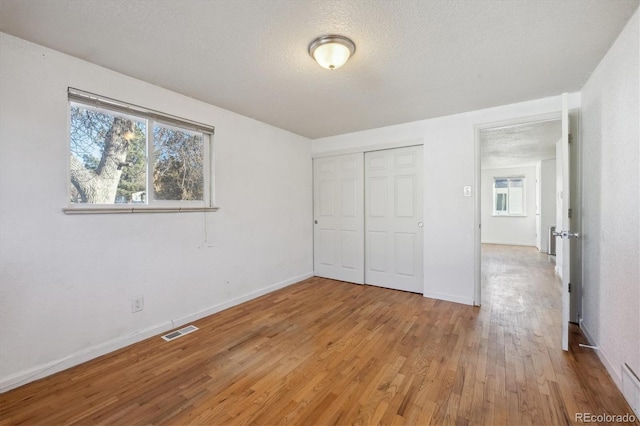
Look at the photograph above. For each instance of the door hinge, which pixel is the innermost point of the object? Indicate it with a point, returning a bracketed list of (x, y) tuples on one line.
[(569, 213), (570, 138), (569, 287)]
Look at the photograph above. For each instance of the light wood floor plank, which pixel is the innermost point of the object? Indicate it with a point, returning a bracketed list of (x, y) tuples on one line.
[(328, 352)]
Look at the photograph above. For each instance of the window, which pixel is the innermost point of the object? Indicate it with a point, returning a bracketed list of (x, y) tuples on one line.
[(508, 196), (124, 156)]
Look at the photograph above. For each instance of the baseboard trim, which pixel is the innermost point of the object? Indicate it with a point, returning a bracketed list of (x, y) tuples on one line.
[(616, 376), (448, 298), (238, 300), (52, 367), (509, 243)]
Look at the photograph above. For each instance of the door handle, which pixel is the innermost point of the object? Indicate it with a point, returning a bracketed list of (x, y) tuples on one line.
[(566, 234), (420, 224)]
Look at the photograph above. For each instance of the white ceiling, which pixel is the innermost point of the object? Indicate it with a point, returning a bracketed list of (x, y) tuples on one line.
[(519, 145), (413, 60)]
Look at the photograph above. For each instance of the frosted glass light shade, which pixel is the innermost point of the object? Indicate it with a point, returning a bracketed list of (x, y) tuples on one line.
[(331, 51), (331, 55)]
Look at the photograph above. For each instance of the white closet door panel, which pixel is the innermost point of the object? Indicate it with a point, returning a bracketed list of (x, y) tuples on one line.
[(377, 197), (339, 217), (350, 202), (326, 197), (405, 194), (324, 247), (393, 217), (406, 250), (351, 253), (377, 251)]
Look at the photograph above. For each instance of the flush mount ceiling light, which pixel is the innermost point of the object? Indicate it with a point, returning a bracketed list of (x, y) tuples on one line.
[(331, 51)]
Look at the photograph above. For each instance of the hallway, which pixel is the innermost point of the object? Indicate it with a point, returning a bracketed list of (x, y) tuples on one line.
[(521, 317)]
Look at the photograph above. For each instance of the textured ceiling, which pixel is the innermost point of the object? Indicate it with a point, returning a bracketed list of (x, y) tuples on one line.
[(414, 59), (519, 145)]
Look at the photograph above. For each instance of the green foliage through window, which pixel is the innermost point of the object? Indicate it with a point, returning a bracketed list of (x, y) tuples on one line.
[(110, 163), (178, 165)]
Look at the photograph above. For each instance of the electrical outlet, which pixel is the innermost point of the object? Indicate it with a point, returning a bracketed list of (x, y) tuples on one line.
[(137, 304)]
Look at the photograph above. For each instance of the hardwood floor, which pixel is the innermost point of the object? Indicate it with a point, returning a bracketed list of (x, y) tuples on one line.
[(327, 352)]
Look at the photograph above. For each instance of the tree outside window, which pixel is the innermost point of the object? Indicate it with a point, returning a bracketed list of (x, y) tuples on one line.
[(110, 161)]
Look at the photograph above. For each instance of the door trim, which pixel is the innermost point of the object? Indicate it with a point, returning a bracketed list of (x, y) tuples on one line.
[(369, 148)]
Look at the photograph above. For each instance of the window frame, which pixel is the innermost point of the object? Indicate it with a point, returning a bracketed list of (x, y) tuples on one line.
[(114, 107), (507, 212)]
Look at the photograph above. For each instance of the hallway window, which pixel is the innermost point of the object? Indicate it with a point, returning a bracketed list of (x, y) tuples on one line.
[(508, 196)]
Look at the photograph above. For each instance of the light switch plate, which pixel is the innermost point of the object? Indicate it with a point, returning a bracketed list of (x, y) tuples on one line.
[(467, 191)]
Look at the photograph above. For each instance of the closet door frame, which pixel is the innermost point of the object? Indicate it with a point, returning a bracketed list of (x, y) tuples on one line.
[(361, 151)]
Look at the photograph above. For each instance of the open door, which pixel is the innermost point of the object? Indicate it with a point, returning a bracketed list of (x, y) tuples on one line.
[(563, 233)]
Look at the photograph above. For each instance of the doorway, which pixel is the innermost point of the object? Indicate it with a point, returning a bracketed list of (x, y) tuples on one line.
[(518, 183), (524, 225)]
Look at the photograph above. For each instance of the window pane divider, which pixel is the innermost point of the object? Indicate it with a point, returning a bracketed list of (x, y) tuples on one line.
[(151, 163)]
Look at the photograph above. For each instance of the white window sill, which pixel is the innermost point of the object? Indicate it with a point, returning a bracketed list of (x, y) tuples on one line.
[(121, 210)]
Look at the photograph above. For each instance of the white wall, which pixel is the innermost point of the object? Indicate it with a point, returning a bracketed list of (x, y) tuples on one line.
[(514, 230), (547, 201), (450, 257), (611, 188), (67, 281)]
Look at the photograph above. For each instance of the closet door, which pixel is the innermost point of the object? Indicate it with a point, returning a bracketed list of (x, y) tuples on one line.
[(393, 219), (338, 237)]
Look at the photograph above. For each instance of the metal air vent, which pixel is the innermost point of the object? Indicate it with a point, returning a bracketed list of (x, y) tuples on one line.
[(178, 333)]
